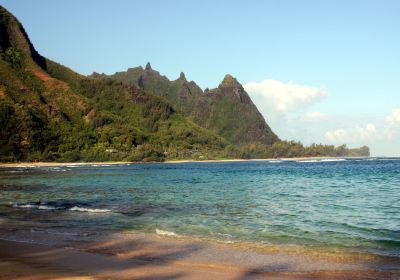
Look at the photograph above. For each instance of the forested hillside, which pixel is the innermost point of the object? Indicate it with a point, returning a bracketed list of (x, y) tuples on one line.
[(48, 112)]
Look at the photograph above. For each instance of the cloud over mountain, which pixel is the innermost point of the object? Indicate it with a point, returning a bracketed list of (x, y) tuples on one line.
[(284, 97)]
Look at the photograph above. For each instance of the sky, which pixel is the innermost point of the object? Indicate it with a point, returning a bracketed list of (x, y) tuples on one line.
[(319, 71)]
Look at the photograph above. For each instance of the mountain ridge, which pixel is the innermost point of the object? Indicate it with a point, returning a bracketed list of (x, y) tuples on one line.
[(48, 112), (227, 109)]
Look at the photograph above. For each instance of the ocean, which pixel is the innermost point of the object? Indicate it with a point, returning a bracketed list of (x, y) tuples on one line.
[(350, 205)]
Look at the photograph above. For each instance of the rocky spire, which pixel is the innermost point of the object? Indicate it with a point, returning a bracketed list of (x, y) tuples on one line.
[(182, 76), (148, 67), (230, 81)]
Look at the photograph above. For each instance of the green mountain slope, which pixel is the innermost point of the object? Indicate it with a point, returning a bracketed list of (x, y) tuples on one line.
[(49, 112), (226, 110)]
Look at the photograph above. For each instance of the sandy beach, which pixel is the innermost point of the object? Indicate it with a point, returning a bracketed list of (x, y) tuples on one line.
[(48, 164), (32, 249), (51, 164), (147, 256)]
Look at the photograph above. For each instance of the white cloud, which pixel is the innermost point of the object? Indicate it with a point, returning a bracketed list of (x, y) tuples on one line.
[(383, 136), (353, 135), (392, 124), (287, 108), (284, 107), (315, 117), (284, 97)]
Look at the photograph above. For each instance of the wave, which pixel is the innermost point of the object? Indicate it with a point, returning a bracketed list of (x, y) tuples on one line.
[(332, 159), (59, 206), (309, 160), (90, 210), (322, 160), (165, 232), (35, 206), (56, 169)]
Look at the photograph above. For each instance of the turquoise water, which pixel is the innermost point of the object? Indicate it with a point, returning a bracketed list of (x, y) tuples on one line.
[(347, 204)]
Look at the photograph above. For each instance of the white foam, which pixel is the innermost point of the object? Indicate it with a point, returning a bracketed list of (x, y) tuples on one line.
[(46, 207), (332, 159), (36, 206), (322, 160), (57, 169), (24, 205), (90, 210), (165, 232)]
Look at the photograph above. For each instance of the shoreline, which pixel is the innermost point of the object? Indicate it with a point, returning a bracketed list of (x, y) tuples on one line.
[(328, 252), (56, 164), (150, 256), (30, 249), (265, 159)]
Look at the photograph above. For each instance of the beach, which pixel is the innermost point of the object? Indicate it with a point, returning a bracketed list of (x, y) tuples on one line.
[(294, 219), (144, 256), (49, 164)]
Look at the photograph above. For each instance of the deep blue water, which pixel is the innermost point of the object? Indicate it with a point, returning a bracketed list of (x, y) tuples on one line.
[(352, 204)]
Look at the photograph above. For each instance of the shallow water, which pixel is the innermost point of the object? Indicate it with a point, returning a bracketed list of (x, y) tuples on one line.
[(348, 204)]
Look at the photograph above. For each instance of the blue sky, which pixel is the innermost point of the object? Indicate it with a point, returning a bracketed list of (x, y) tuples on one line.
[(332, 67)]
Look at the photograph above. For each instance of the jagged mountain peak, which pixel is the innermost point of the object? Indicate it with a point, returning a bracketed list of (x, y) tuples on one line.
[(230, 81), (226, 110), (148, 67), (13, 35), (46, 109), (182, 76)]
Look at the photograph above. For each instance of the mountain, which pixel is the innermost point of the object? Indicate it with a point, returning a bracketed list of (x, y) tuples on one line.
[(227, 110), (49, 112)]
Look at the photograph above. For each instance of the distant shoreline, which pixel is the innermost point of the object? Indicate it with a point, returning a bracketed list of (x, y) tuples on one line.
[(45, 164), (263, 159)]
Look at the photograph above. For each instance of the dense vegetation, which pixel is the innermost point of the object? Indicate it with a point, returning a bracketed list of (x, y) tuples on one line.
[(281, 149), (226, 110), (51, 113)]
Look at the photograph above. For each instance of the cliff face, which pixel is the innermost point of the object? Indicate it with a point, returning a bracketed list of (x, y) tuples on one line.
[(227, 110), (233, 115)]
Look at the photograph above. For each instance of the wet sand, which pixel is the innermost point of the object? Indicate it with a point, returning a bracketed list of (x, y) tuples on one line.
[(147, 256)]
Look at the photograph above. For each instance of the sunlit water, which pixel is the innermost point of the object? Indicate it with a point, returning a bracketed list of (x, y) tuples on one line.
[(348, 205)]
